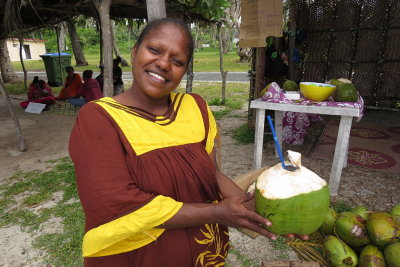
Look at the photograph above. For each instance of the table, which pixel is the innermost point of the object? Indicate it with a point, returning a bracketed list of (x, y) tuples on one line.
[(340, 157)]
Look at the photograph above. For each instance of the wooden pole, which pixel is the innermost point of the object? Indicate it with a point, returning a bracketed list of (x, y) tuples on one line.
[(103, 7), (292, 37), (260, 71), (21, 141)]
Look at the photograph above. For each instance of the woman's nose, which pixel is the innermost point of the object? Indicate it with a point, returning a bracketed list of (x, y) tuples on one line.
[(163, 63)]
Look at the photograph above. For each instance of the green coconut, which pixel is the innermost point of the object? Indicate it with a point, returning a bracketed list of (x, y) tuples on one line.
[(294, 201), (361, 210), (345, 93), (351, 228), (264, 91), (371, 256), (392, 254), (328, 226), (382, 228), (395, 212), (290, 85), (335, 82), (338, 253)]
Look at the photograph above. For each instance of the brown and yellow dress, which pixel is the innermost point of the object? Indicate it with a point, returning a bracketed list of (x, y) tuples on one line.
[(134, 171)]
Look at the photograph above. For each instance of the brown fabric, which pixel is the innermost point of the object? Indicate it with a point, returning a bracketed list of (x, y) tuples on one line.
[(113, 181)]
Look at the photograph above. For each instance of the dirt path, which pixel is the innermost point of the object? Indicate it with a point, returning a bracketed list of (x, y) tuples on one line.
[(47, 138)]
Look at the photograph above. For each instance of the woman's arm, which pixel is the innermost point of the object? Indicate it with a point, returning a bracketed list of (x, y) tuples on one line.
[(235, 210)]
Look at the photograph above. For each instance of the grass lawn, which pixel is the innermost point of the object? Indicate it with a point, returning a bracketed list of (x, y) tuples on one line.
[(205, 60)]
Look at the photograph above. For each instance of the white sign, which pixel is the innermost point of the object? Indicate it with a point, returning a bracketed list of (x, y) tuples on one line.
[(35, 108)]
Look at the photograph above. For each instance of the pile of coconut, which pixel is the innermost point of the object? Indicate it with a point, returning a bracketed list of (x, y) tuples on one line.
[(296, 200)]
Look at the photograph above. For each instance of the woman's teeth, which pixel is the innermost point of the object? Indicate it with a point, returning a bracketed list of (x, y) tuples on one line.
[(156, 76)]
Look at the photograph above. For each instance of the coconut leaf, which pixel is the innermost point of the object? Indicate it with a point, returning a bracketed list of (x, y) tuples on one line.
[(310, 250)]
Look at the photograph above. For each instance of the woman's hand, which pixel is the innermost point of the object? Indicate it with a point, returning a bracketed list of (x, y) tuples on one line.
[(239, 212), (234, 212)]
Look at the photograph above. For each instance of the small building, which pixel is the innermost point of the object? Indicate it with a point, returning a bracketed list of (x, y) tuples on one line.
[(32, 48)]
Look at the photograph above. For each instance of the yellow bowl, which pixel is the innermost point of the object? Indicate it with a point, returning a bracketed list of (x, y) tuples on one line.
[(316, 91)]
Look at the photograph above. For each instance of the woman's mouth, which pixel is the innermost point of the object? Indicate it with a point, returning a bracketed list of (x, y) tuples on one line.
[(157, 76)]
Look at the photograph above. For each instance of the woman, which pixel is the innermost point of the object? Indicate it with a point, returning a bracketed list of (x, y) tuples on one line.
[(39, 92), (71, 86), (146, 171), (88, 91)]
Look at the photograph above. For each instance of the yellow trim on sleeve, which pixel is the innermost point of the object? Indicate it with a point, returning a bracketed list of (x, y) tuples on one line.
[(131, 231), (212, 131)]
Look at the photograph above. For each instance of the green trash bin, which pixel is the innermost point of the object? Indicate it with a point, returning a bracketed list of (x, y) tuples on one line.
[(52, 65)]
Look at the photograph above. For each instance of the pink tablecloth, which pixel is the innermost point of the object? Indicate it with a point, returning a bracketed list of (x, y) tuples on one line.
[(294, 124)]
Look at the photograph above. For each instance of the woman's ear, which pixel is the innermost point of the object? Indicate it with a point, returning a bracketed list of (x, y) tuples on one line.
[(133, 54)]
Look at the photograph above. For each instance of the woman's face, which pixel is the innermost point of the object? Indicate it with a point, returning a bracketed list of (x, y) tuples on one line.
[(70, 72), (160, 61)]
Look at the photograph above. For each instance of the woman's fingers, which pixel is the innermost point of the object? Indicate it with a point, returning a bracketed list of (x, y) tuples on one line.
[(260, 230), (302, 237)]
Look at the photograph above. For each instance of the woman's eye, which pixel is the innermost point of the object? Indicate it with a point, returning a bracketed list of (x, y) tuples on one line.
[(179, 62), (153, 50)]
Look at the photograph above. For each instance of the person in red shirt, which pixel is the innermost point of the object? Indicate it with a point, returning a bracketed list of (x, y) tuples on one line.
[(88, 91), (39, 92)]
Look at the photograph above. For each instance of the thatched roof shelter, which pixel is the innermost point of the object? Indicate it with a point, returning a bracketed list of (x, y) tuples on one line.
[(28, 15)]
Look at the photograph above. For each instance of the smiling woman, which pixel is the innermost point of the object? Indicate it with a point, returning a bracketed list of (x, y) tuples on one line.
[(146, 171)]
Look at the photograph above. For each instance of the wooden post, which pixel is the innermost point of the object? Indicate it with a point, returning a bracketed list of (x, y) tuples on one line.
[(21, 141), (292, 37), (155, 9), (260, 71), (103, 7)]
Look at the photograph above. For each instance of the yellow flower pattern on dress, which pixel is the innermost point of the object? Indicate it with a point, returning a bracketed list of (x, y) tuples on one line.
[(212, 239)]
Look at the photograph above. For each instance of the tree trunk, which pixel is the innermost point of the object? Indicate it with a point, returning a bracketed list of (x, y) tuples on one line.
[(155, 9), (21, 141), (21, 46), (61, 38), (115, 45), (103, 7), (7, 70), (221, 63), (76, 46), (189, 77)]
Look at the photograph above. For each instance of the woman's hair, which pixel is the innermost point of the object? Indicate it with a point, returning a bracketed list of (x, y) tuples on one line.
[(41, 83), (159, 22), (35, 79), (87, 74), (69, 68)]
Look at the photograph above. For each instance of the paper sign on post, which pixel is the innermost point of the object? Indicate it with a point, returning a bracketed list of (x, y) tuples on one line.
[(260, 19), (35, 108)]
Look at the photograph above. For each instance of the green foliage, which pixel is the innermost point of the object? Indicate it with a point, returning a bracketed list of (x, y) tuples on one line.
[(245, 262), (244, 135), (211, 9), (220, 113), (341, 206), (280, 245), (215, 102)]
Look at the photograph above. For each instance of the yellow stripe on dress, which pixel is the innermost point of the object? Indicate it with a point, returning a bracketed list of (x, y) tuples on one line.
[(145, 135), (131, 231)]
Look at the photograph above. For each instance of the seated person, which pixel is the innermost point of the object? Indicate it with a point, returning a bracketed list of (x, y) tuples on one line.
[(117, 77), (88, 91), (71, 85), (39, 92), (100, 77)]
